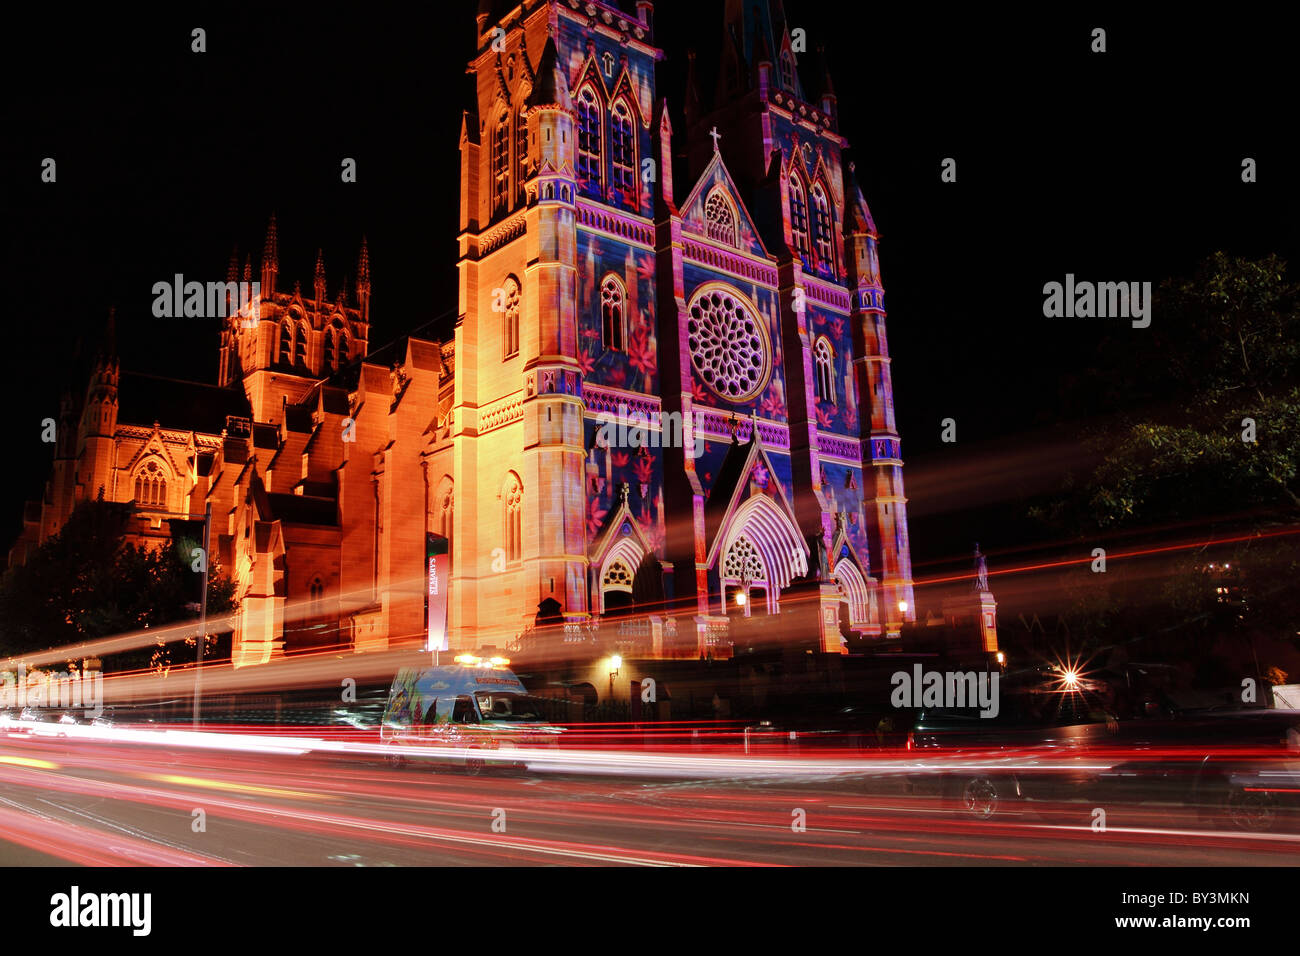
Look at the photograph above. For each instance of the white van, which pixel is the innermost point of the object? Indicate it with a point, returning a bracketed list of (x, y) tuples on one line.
[(465, 714)]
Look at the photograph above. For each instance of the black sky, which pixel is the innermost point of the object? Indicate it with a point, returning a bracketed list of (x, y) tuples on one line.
[(1116, 166)]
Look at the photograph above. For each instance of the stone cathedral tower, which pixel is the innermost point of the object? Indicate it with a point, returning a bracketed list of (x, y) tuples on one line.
[(666, 399), (750, 308)]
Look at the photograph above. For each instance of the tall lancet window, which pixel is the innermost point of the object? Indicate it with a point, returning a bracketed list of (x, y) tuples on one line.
[(512, 505), (336, 347), (286, 343), (787, 72), (501, 162), (825, 360), (590, 121), (822, 221), (612, 304), (150, 487), (799, 216), (300, 347), (510, 318), (622, 148)]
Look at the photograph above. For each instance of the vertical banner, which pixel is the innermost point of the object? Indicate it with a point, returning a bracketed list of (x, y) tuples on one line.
[(438, 562)]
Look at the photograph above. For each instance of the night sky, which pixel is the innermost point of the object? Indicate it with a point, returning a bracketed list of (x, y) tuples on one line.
[(1122, 166)]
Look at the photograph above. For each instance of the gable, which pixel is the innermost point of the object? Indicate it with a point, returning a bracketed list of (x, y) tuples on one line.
[(696, 211)]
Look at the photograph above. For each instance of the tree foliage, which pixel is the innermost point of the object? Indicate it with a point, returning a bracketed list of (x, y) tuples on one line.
[(88, 582), (1176, 462)]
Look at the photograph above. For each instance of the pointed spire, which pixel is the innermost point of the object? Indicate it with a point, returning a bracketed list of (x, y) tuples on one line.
[(248, 268), (319, 279), (110, 332), (828, 88), (552, 87), (363, 281), (232, 279), (529, 76), (859, 218), (270, 259), (762, 53), (693, 110)]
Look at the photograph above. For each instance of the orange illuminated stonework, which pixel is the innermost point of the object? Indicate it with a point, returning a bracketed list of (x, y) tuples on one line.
[(748, 305)]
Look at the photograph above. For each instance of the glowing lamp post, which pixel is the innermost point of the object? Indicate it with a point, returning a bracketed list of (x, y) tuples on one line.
[(615, 666), (742, 596)]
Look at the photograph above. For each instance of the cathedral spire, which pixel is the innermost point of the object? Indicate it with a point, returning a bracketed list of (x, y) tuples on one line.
[(319, 283), (109, 351), (858, 219), (693, 110), (529, 76), (363, 281), (552, 88), (270, 259), (828, 100), (232, 280)]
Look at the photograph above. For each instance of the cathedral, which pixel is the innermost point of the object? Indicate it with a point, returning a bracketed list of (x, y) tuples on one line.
[(742, 302)]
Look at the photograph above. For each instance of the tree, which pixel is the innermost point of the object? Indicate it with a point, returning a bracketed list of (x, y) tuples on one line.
[(1206, 434), (88, 582)]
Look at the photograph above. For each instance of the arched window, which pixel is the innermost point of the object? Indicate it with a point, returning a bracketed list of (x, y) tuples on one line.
[(300, 346), (501, 162), (612, 303), (719, 220), (151, 486), (445, 512), (589, 124), (622, 148), (512, 503), (825, 360), (799, 216), (286, 343), (822, 221), (335, 347), (521, 150), (787, 72), (510, 318)]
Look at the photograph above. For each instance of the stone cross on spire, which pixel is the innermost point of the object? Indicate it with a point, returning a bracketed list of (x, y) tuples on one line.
[(716, 136)]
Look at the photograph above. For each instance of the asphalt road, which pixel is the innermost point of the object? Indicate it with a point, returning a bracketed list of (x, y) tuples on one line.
[(107, 803)]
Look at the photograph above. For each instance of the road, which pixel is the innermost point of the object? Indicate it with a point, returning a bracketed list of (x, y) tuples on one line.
[(109, 803)]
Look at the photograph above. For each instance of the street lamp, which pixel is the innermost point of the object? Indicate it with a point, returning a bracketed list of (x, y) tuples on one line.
[(615, 666), (902, 607)]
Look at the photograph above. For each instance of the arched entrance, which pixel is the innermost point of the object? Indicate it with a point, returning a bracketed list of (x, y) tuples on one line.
[(761, 554)]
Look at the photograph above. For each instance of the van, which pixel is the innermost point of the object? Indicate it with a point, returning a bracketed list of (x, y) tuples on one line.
[(465, 714)]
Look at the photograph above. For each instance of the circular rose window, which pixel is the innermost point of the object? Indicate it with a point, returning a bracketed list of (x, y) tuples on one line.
[(728, 344)]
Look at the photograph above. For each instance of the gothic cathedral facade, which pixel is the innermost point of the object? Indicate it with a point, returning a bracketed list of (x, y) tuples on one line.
[(658, 400)]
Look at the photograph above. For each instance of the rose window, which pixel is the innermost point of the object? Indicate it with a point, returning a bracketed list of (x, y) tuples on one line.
[(728, 345)]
